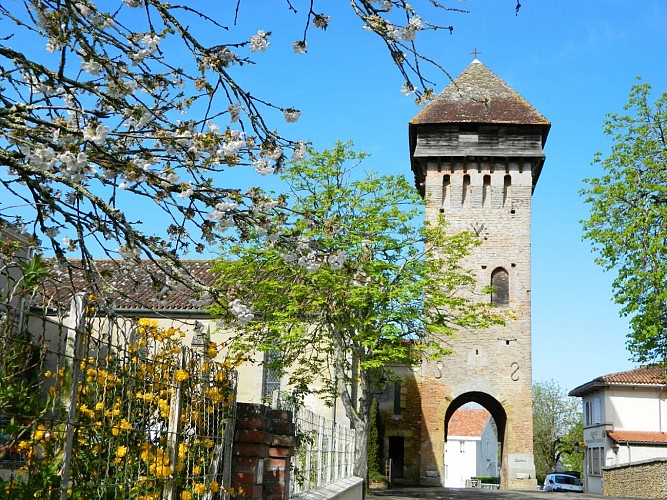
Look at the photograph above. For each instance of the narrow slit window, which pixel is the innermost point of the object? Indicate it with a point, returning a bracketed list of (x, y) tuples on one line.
[(466, 190), (507, 185), (446, 191), (486, 191)]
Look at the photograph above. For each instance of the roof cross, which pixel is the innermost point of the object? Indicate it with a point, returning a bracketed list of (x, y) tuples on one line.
[(475, 52)]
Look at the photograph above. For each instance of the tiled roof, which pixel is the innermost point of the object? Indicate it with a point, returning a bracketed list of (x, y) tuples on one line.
[(468, 422), (126, 284), (638, 437), (642, 376), (479, 96)]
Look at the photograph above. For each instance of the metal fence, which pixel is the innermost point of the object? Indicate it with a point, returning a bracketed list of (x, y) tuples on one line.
[(99, 406), (324, 452)]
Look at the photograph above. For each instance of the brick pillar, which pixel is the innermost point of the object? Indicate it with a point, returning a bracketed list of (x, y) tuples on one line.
[(263, 445), (277, 464)]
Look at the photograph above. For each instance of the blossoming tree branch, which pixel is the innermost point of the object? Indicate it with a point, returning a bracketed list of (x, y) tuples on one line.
[(113, 112)]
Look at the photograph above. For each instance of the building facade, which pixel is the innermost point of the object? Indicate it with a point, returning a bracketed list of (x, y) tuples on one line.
[(477, 152), (471, 449), (625, 421)]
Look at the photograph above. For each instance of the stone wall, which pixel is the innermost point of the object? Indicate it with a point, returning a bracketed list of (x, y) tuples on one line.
[(647, 479)]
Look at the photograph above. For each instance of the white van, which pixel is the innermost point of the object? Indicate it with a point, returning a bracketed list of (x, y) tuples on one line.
[(563, 482)]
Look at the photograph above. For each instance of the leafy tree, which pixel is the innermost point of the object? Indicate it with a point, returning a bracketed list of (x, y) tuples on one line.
[(342, 280), (557, 429), (628, 206), (116, 113)]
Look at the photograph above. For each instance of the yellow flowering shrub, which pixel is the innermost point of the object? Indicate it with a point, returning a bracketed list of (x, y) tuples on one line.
[(124, 404)]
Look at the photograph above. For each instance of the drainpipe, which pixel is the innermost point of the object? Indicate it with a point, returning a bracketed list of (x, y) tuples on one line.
[(660, 408)]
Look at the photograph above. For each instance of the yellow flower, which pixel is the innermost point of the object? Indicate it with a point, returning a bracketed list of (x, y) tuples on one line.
[(181, 375), (196, 470), (214, 487), (121, 451), (186, 495)]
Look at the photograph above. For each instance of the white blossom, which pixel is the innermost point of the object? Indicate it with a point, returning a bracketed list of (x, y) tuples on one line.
[(259, 42), (337, 260), (242, 312), (187, 191), (299, 151), (263, 167), (407, 89), (291, 115), (234, 110), (150, 40), (227, 57), (97, 136), (300, 46)]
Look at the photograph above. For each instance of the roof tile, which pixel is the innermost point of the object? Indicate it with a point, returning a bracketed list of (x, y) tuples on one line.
[(638, 436), (468, 422), (126, 284), (479, 96)]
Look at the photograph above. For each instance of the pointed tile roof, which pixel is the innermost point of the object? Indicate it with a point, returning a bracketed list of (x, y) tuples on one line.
[(469, 423), (646, 376), (479, 96)]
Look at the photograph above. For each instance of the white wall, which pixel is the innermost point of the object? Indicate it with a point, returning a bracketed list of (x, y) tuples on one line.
[(460, 460)]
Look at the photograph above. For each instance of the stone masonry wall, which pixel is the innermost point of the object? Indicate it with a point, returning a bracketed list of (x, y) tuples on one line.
[(639, 480)]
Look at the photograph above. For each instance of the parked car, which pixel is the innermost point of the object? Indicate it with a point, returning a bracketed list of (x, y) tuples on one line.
[(563, 482)]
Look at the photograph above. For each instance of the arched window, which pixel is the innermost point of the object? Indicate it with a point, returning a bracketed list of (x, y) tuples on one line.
[(500, 281)]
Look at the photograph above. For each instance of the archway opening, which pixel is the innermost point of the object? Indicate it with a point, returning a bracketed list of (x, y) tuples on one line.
[(475, 424)]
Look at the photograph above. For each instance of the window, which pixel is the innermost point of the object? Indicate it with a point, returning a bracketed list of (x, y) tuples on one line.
[(271, 375), (592, 412), (594, 457), (467, 188), (486, 190), (500, 281), (397, 398), (446, 191), (507, 185)]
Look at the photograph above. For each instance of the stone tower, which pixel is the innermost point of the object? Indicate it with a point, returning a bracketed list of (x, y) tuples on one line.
[(477, 151)]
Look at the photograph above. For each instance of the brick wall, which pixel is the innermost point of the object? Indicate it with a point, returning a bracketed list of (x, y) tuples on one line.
[(263, 445), (647, 479)]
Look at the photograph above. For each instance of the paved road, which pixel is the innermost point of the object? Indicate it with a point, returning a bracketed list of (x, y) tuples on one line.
[(475, 494)]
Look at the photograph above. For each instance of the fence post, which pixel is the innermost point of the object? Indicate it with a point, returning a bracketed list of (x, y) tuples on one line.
[(168, 491), (320, 442), (75, 332)]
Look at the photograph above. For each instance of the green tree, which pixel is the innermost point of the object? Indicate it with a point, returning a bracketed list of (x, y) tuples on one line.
[(342, 280), (557, 429), (628, 210)]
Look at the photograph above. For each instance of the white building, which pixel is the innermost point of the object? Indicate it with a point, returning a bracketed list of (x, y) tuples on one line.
[(471, 448), (625, 420)]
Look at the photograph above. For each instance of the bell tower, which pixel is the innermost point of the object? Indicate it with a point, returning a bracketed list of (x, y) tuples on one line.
[(477, 152)]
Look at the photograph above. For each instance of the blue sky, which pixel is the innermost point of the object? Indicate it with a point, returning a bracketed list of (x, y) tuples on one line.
[(573, 61)]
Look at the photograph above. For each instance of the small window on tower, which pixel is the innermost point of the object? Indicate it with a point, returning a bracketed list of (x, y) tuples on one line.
[(500, 281)]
